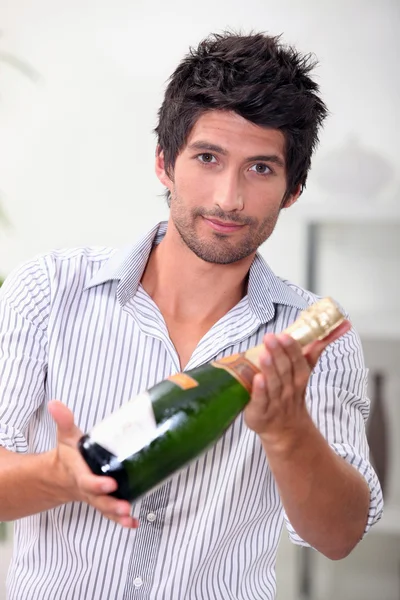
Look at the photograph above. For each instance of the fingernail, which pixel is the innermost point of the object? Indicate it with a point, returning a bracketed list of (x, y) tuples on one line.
[(286, 340), (122, 511), (271, 342), (129, 523), (261, 383), (266, 359), (108, 486)]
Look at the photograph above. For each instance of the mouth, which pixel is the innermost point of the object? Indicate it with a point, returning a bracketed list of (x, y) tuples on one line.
[(222, 226)]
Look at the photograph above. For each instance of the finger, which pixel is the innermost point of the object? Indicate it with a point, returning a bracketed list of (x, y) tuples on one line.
[(313, 351), (127, 522), (118, 511), (257, 408), (111, 506), (272, 381), (300, 366), (258, 391), (66, 429), (281, 360), (97, 485)]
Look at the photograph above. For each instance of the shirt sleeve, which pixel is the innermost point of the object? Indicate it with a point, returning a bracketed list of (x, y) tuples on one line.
[(338, 404), (24, 310)]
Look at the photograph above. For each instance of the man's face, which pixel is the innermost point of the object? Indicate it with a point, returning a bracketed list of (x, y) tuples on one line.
[(228, 187)]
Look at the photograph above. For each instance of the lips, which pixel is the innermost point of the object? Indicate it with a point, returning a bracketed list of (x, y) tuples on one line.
[(222, 226)]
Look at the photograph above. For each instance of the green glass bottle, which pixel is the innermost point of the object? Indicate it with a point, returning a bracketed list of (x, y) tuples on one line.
[(165, 428)]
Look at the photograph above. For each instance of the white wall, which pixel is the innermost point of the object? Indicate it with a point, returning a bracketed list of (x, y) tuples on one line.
[(76, 150)]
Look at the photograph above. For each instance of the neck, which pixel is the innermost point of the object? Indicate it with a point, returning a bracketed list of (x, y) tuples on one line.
[(186, 288)]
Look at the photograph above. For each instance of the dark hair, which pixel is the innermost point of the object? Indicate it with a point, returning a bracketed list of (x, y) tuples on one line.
[(255, 76)]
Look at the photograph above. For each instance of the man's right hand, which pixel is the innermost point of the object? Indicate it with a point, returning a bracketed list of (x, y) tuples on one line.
[(75, 480)]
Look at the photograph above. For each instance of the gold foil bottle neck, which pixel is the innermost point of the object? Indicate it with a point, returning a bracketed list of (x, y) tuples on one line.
[(316, 322)]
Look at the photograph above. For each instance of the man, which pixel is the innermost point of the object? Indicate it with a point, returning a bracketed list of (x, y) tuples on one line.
[(236, 132)]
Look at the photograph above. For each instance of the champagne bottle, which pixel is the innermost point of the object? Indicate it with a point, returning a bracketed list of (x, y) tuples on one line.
[(163, 429)]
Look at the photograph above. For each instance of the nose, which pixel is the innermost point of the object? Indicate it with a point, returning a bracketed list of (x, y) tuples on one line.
[(228, 192)]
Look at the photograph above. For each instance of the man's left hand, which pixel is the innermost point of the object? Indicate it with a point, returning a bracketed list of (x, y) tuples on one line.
[(277, 409)]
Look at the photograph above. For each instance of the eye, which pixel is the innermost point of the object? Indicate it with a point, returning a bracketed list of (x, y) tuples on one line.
[(261, 169), (206, 158)]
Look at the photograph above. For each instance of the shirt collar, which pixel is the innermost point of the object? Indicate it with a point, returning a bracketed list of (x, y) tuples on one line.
[(127, 265)]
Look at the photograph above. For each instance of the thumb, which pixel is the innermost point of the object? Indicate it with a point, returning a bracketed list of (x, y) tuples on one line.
[(67, 431)]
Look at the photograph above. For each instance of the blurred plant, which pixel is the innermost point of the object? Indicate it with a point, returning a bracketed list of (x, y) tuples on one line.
[(23, 67), (10, 60), (6, 58)]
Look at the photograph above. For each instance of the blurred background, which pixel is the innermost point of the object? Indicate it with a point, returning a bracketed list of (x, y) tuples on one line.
[(80, 85)]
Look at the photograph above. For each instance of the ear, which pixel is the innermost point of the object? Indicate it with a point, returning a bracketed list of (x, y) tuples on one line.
[(160, 169), (290, 200)]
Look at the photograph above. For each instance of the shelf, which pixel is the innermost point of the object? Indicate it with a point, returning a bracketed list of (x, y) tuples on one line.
[(383, 325), (389, 524), (343, 211)]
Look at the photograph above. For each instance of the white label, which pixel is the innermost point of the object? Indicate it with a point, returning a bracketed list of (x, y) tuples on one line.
[(128, 429)]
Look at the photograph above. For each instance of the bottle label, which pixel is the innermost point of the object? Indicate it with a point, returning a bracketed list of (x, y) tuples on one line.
[(127, 430), (239, 367), (183, 381)]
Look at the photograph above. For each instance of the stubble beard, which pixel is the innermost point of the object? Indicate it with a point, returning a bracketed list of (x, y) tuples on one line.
[(221, 249)]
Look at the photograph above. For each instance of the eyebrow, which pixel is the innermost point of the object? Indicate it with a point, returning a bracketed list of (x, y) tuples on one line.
[(207, 147)]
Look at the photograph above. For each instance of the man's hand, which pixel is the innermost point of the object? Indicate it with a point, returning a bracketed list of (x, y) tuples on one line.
[(75, 480), (277, 410), (325, 498)]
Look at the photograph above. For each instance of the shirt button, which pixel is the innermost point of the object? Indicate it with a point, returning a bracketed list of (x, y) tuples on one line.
[(151, 517), (138, 582)]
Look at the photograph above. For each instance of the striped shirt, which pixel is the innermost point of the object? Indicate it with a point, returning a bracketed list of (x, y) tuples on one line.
[(78, 326)]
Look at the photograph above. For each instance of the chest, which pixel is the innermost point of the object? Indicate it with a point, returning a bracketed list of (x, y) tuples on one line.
[(185, 339), (104, 358)]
